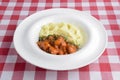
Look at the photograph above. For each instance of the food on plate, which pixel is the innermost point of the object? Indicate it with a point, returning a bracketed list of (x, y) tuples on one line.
[(56, 44), (60, 38)]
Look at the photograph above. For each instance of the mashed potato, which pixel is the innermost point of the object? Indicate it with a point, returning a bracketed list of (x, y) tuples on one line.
[(70, 32)]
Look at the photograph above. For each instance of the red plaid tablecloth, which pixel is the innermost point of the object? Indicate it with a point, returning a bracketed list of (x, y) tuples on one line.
[(13, 67)]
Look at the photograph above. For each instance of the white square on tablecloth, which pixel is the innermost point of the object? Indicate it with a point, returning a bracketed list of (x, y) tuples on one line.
[(105, 22), (41, 4), (85, 4), (2, 32), (115, 3), (109, 32), (118, 21), (11, 4), (19, 21), (4, 22), (95, 75), (73, 75), (51, 75), (0, 44), (26, 4), (102, 12), (11, 59), (28, 75), (116, 75), (111, 45), (6, 75), (56, 5), (114, 59), (70, 4), (12, 45), (100, 3), (24, 12), (116, 12)]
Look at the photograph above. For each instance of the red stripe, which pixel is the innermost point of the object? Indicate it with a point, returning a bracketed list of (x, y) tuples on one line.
[(93, 0), (1, 17), (114, 27), (112, 51), (1, 66), (108, 7), (115, 66), (110, 38), (86, 68), (78, 8), (97, 16), (63, 1), (105, 53), (94, 67), (2, 58), (20, 0), (9, 66), (62, 75), (4, 51), (106, 0), (118, 50), (20, 59), (40, 75), (1, 38), (3, 7), (32, 8), (18, 75), (5, 0), (34, 1), (105, 67), (19, 67), (103, 59), (11, 27), (40, 69), (17, 8), (93, 8), (111, 17), (63, 5), (8, 39), (12, 51), (49, 1), (106, 75), (84, 75), (14, 17), (116, 38), (76, 1)]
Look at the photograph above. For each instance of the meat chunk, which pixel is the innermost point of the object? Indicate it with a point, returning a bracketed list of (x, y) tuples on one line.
[(71, 48), (43, 45), (53, 50)]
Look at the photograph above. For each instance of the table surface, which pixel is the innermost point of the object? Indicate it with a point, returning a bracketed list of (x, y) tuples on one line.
[(13, 67)]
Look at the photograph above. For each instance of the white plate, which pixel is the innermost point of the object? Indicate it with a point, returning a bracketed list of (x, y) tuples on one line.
[(26, 36)]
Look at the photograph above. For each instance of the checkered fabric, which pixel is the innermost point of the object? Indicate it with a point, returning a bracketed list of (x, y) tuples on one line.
[(13, 67)]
